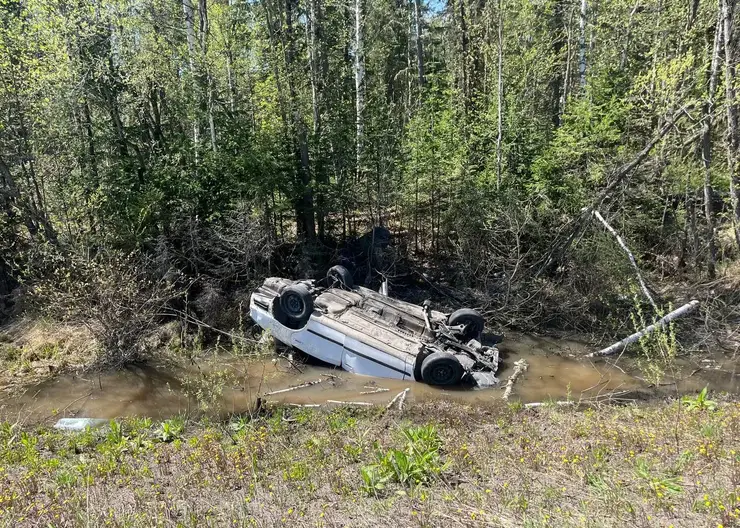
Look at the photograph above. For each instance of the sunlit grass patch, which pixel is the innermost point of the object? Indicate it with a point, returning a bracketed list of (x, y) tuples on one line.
[(611, 466)]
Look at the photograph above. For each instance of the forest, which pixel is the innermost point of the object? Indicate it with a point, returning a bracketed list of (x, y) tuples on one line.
[(215, 139)]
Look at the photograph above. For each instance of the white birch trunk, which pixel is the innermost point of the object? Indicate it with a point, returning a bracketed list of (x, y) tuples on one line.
[(728, 8), (661, 323)]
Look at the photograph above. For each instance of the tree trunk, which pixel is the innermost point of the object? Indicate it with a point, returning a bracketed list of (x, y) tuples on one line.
[(210, 84), (463, 80), (419, 44), (559, 40), (304, 200), (359, 88), (706, 146), (189, 15), (500, 92), (728, 8), (628, 34), (315, 58), (582, 44)]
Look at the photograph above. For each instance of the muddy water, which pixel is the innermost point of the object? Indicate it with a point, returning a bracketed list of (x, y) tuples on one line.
[(225, 384)]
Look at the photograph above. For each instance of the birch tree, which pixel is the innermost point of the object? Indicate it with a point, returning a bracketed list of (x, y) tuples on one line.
[(730, 42)]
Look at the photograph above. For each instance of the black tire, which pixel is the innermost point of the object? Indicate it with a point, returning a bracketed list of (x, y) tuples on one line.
[(472, 320), (296, 305), (441, 368), (340, 276)]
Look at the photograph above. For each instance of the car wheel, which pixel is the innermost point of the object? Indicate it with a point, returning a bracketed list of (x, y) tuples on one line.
[(296, 304), (340, 276), (472, 320), (441, 368)]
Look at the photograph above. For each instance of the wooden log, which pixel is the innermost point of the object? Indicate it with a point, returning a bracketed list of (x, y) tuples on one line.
[(519, 367), (402, 399), (361, 404), (661, 323), (396, 397), (375, 391), (301, 386)]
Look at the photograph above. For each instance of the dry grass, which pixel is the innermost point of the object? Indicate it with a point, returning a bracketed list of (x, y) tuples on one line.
[(660, 465), (34, 349)]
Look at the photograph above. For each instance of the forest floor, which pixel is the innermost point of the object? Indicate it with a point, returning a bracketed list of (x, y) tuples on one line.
[(444, 464)]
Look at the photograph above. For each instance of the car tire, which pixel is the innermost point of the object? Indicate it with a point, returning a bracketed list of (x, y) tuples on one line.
[(472, 320), (441, 368), (339, 275), (296, 305)]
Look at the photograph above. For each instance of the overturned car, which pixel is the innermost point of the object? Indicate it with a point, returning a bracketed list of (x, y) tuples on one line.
[(369, 333)]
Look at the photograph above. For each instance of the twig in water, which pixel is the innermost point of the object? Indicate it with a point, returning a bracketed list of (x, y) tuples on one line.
[(376, 391), (301, 386), (396, 397), (402, 399), (273, 402), (519, 367), (75, 401), (363, 404)]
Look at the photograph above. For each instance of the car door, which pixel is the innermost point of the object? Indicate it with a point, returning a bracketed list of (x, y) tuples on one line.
[(320, 341), (361, 358)]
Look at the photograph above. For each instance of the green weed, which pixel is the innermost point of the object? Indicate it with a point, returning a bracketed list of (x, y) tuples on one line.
[(416, 463), (700, 402), (171, 429)]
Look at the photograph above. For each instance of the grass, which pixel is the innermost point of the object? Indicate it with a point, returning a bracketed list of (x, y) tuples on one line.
[(666, 464), (32, 350)]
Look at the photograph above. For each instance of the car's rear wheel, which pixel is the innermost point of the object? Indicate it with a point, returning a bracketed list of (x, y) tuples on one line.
[(441, 368), (296, 305), (339, 276), (472, 320)]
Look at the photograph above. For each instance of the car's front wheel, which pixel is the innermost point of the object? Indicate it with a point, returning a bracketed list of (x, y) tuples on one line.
[(340, 277), (296, 305), (470, 319), (441, 368)]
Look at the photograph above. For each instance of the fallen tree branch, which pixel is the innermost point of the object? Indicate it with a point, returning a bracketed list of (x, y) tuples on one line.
[(301, 386), (629, 254), (396, 397), (295, 404), (519, 367), (376, 391), (402, 399), (661, 323), (362, 404)]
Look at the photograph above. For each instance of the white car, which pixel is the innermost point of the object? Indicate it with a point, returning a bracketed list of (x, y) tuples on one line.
[(369, 333)]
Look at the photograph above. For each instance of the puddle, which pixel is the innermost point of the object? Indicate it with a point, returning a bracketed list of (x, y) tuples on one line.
[(160, 392)]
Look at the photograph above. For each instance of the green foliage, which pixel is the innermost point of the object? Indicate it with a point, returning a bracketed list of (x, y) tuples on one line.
[(699, 403), (172, 429), (209, 141), (658, 349), (418, 461), (659, 485)]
